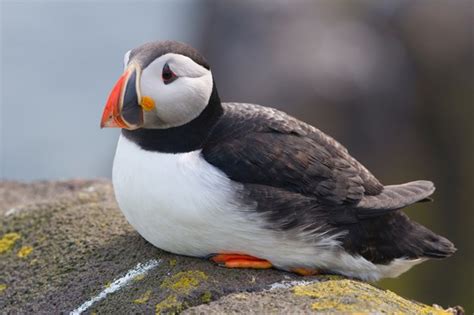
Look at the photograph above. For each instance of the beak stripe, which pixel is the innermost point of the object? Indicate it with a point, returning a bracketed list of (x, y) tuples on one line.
[(123, 108), (111, 116)]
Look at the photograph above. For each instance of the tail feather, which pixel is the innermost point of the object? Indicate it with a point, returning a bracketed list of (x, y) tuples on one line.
[(385, 238), (395, 197), (435, 246)]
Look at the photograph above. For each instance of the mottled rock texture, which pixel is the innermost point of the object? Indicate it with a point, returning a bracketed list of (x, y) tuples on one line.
[(63, 244)]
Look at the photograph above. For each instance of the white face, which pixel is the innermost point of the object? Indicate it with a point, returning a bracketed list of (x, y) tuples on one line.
[(179, 101)]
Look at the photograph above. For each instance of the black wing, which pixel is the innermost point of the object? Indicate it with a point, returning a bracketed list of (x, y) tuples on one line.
[(301, 178), (256, 145)]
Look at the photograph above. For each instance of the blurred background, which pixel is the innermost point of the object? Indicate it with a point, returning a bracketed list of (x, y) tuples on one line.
[(392, 80)]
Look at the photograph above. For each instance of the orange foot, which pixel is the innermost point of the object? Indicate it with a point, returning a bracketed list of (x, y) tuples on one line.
[(241, 261)]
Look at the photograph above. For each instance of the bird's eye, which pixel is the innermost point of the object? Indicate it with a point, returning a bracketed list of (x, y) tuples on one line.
[(168, 75)]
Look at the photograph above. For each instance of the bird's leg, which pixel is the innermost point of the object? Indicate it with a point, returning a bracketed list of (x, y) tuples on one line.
[(247, 261), (240, 261)]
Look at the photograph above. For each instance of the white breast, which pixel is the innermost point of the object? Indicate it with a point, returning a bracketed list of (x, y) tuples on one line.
[(178, 202), (182, 204)]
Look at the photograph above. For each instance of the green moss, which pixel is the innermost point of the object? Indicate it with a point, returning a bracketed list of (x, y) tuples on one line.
[(348, 296), (184, 282), (169, 305), (206, 297), (139, 277), (144, 298), (8, 241), (3, 287)]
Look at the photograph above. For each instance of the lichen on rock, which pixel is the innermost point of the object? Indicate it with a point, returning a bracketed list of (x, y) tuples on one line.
[(206, 297), (8, 241), (24, 251), (350, 296), (144, 298), (169, 304), (184, 282), (181, 285)]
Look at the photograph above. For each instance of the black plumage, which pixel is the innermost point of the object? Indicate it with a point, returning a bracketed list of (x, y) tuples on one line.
[(302, 178), (298, 177)]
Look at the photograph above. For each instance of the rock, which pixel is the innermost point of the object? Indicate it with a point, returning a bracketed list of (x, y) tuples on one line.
[(65, 246)]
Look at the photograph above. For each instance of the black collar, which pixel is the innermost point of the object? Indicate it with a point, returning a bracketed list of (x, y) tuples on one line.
[(186, 138)]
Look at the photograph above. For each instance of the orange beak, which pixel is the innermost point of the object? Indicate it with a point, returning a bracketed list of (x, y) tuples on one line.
[(123, 108)]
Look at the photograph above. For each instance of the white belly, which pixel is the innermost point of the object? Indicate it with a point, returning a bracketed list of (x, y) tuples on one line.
[(178, 202), (182, 204)]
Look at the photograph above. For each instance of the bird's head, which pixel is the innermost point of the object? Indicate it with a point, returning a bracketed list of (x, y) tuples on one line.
[(164, 85)]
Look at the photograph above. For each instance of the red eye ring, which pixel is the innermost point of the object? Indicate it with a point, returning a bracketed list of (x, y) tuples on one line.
[(167, 75)]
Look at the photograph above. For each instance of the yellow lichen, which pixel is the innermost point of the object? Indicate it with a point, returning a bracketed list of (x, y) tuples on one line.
[(170, 303), (7, 241), (24, 251), (3, 287), (173, 262), (144, 298), (139, 277), (348, 296), (240, 296), (206, 297), (185, 281)]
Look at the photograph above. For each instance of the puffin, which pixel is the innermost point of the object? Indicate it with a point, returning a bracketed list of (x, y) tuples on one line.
[(249, 186)]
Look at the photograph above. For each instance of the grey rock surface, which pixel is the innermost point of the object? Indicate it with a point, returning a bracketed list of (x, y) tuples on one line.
[(65, 246)]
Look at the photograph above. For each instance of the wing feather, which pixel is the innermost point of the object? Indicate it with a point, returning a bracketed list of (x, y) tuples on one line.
[(259, 145)]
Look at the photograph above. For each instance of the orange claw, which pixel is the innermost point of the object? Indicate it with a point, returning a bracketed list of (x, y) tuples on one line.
[(241, 261)]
